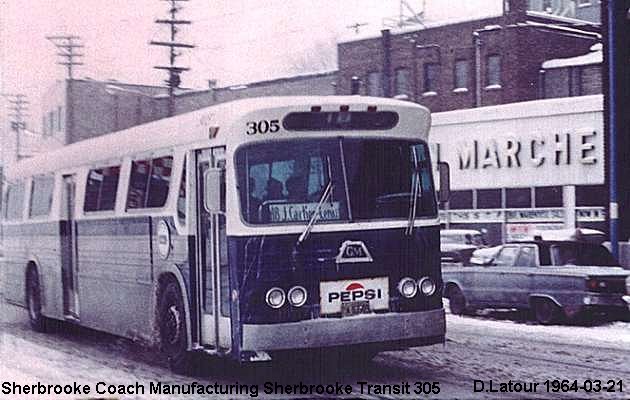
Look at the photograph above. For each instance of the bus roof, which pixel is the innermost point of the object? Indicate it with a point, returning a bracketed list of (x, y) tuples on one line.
[(189, 128)]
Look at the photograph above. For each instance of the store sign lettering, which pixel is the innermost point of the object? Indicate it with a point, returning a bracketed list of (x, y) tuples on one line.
[(578, 147)]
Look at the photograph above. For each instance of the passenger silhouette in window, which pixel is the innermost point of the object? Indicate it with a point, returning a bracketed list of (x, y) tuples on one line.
[(274, 190)]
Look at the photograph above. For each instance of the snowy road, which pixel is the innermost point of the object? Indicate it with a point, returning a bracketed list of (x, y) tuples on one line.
[(477, 349)]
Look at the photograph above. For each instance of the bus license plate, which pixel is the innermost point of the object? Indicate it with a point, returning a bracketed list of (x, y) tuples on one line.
[(355, 308)]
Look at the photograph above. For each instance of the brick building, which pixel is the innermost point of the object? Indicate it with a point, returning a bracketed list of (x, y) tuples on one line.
[(574, 76), (455, 65), (79, 109)]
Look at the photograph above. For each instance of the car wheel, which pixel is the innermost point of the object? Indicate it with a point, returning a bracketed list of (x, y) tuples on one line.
[(457, 301), (172, 328), (38, 322), (547, 312)]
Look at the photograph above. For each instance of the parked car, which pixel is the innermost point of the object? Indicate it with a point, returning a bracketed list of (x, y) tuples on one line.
[(555, 279), (458, 245)]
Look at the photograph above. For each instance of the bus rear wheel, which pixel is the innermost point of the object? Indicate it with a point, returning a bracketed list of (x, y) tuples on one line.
[(38, 322), (172, 328)]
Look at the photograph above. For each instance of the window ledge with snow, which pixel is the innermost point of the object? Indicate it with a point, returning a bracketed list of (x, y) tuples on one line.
[(460, 90), (429, 94), (494, 87)]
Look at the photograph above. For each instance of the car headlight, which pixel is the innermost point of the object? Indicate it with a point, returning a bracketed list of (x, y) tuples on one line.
[(427, 286), (275, 297), (407, 287), (297, 296)]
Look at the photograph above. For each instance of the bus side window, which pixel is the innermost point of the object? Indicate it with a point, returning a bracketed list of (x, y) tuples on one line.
[(181, 198), (100, 189), (41, 196), (149, 183), (15, 202)]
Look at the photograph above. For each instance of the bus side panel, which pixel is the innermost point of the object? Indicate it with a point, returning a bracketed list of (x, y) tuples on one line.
[(14, 264), (115, 275), (38, 242)]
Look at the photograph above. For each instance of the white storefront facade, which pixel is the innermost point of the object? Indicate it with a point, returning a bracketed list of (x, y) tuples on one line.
[(515, 167)]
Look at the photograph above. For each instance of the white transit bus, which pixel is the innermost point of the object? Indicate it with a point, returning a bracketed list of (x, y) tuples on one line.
[(249, 229)]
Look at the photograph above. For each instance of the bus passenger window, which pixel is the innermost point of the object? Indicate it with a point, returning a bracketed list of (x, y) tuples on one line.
[(100, 190), (41, 196), (149, 183), (181, 198), (15, 202)]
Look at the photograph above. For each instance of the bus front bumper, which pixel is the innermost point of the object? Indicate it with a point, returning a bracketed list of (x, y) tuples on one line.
[(363, 329)]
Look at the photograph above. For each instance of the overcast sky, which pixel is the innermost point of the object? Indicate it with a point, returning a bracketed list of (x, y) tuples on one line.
[(237, 41)]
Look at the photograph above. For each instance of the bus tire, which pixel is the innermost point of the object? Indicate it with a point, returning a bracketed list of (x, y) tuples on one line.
[(172, 327), (38, 322), (457, 301)]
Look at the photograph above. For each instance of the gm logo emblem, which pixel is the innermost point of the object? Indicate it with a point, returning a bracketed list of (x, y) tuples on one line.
[(353, 252)]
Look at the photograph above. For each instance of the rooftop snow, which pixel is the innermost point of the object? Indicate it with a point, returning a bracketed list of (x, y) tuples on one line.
[(594, 57)]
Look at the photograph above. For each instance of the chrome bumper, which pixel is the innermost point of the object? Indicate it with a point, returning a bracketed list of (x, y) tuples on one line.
[(361, 329)]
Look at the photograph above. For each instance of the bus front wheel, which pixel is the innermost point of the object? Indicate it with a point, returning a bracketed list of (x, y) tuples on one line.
[(38, 322), (172, 327)]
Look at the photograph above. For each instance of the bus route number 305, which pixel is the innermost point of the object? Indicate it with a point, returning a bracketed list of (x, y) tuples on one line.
[(262, 127)]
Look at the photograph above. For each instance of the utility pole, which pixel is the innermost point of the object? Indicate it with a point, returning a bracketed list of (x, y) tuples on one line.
[(67, 50), (174, 71), (67, 46), (18, 107)]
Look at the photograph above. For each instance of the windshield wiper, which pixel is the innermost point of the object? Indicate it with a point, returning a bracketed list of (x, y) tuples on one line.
[(415, 191), (324, 198), (315, 216)]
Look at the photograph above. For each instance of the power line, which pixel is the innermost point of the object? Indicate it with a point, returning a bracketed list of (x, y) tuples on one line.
[(173, 70), (68, 45)]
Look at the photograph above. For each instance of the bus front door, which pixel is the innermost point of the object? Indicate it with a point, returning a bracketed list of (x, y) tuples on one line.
[(69, 250), (213, 269)]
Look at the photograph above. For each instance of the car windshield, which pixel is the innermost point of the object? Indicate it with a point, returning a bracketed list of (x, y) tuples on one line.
[(580, 253), (283, 182)]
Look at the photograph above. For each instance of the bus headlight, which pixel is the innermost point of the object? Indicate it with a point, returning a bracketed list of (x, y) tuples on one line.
[(275, 297), (297, 296), (427, 286), (407, 287)]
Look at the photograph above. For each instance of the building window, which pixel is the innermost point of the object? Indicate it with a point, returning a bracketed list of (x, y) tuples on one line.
[(575, 87), (461, 200), (493, 71), (403, 82), (590, 195), (489, 198), (59, 119), (461, 72), (431, 76), (548, 196), (518, 198), (591, 80), (375, 84), (51, 122), (556, 83), (101, 188)]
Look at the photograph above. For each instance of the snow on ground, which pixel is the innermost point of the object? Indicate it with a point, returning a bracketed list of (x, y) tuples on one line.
[(611, 335)]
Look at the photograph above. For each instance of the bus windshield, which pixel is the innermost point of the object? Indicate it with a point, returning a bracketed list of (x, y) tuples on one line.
[(283, 182)]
